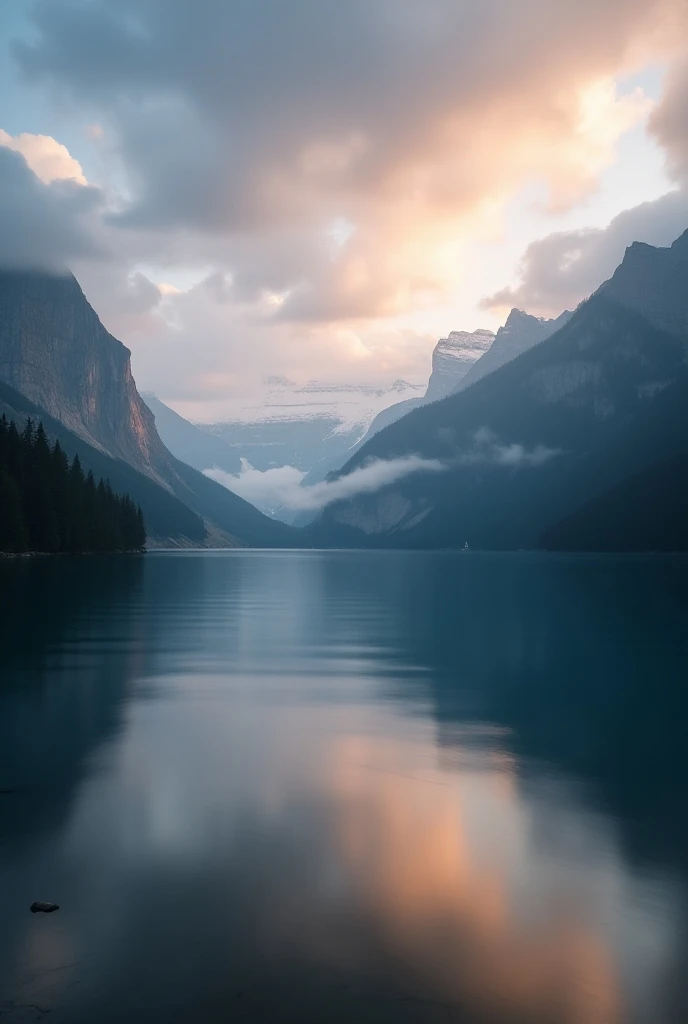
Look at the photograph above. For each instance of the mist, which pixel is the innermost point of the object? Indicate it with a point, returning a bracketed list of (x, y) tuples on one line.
[(489, 448), (281, 487)]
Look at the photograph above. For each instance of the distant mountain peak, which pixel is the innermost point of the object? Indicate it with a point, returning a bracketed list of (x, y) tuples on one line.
[(680, 245), (517, 315), (520, 318), (653, 281), (452, 358), (520, 332)]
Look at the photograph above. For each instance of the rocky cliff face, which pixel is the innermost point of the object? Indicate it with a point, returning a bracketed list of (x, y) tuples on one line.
[(452, 358), (520, 332), (55, 351)]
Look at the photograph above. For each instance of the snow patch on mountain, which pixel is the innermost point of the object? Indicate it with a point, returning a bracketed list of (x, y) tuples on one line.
[(452, 358), (302, 425), (349, 405)]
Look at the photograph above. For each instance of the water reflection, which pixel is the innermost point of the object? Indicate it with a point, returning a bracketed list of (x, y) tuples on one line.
[(319, 786)]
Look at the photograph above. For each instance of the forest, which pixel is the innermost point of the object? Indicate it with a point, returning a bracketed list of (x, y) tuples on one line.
[(48, 504)]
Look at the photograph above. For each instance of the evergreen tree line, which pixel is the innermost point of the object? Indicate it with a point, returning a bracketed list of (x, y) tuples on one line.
[(49, 504)]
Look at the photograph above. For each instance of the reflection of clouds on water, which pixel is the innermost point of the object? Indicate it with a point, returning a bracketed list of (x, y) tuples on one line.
[(463, 883), (483, 896)]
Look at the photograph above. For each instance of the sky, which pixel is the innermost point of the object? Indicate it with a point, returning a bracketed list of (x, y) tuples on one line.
[(321, 190)]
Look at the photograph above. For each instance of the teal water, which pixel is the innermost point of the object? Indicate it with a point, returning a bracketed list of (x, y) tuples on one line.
[(337, 786)]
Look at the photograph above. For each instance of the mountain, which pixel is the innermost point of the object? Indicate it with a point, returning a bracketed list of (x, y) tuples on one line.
[(302, 425), (520, 332), (319, 426), (55, 352), (647, 511), (603, 400), (452, 359), (167, 518), (653, 281), (462, 358), (528, 443), (188, 442)]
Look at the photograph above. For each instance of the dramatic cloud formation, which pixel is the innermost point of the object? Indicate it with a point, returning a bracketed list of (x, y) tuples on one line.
[(270, 124), (285, 184), (558, 271)]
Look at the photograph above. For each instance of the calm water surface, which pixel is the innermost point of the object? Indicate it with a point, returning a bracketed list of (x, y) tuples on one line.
[(344, 786)]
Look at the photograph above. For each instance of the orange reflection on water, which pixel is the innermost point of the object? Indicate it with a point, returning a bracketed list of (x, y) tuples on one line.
[(448, 869)]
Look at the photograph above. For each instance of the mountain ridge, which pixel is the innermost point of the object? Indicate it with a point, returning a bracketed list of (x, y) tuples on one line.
[(519, 333), (555, 397)]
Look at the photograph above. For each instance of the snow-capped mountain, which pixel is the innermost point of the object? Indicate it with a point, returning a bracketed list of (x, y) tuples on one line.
[(299, 425), (452, 358)]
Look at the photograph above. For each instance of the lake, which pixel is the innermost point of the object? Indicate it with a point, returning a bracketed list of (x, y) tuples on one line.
[(335, 786)]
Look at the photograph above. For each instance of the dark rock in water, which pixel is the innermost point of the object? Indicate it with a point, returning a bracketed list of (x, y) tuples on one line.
[(45, 908)]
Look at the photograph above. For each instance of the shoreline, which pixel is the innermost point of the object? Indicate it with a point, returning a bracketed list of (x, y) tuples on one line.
[(62, 554)]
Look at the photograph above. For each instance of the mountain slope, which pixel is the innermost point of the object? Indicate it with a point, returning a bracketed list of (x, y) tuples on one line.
[(55, 351), (654, 282), (647, 511), (167, 518), (452, 359), (525, 444), (520, 332), (189, 443)]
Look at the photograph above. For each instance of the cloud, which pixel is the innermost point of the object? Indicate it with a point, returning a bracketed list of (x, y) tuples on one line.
[(487, 448), (48, 159), (269, 490), (45, 225), (280, 488), (558, 271), (669, 122), (250, 129), (307, 177)]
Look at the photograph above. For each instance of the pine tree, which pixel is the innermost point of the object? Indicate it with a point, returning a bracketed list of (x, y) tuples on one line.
[(139, 534), (77, 526), (13, 535), (61, 494), (46, 504)]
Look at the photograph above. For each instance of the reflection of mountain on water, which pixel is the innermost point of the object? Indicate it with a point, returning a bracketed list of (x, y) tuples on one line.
[(57, 708)]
